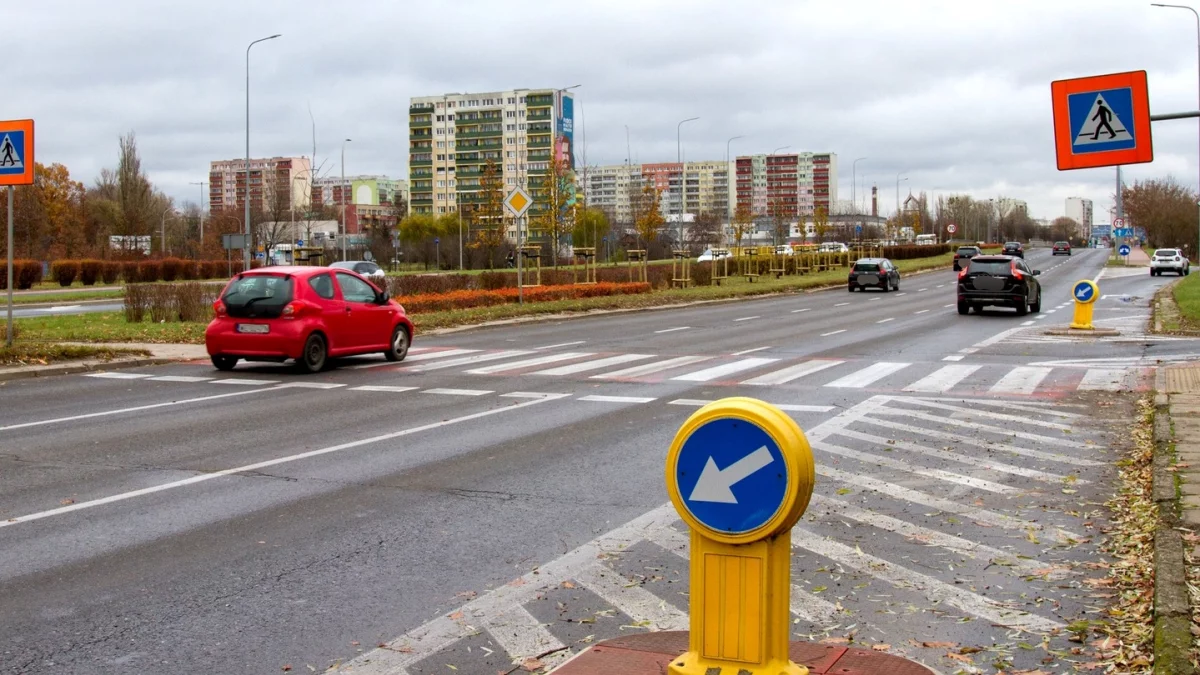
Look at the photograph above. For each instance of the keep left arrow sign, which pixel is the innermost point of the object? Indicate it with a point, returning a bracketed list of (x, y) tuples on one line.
[(715, 484)]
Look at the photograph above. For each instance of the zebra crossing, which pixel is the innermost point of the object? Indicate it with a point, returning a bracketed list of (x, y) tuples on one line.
[(931, 520), (1039, 379)]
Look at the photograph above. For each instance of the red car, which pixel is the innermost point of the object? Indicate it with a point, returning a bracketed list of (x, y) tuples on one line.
[(1063, 247), (304, 313)]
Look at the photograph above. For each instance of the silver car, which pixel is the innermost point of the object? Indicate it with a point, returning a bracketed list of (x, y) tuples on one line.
[(364, 267)]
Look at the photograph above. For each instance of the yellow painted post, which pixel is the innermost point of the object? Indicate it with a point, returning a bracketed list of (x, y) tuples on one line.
[(1086, 292), (740, 473)]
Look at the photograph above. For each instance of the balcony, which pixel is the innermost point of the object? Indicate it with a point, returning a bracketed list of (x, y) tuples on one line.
[(541, 128), (535, 100), (420, 107), (468, 158), (426, 136), (479, 133), (478, 145), (420, 121), (539, 142), (538, 115), (539, 157), (420, 162)]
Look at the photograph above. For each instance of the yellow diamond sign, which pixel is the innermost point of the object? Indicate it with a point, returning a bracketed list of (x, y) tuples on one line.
[(518, 202)]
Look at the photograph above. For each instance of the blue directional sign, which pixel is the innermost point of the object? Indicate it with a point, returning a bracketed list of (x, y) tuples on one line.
[(1122, 231), (731, 475), (1124, 250), (858, 229), (1084, 291), (437, 240)]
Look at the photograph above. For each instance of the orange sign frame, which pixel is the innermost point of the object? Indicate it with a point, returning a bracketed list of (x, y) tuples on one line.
[(25, 127), (1064, 135)]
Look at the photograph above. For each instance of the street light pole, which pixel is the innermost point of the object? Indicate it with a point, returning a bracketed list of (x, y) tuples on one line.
[(162, 246), (201, 184), (1197, 15), (679, 161), (729, 182), (246, 229), (901, 173), (854, 182), (344, 235)]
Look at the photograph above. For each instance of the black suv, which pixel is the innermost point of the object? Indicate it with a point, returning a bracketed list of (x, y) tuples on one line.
[(1014, 248), (999, 280), (874, 273), (964, 253)]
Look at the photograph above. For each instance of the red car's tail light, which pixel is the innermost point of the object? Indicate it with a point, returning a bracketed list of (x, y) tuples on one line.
[(295, 309), (219, 308)]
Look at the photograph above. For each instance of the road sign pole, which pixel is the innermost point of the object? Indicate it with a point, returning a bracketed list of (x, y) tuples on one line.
[(8, 335), (520, 255)]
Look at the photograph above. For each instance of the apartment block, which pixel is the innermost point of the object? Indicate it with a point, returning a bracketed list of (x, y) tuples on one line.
[(453, 136), (1080, 210), (361, 190), (792, 186), (690, 187), (274, 184)]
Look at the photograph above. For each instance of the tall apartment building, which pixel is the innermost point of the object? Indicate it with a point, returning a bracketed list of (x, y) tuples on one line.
[(691, 187), (273, 184), (792, 186), (1080, 210), (361, 190), (452, 137)]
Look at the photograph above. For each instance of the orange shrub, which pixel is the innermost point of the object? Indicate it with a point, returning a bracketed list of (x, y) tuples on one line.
[(438, 302)]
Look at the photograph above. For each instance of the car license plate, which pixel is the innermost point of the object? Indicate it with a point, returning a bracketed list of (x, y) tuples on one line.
[(868, 279), (989, 283), (253, 328)]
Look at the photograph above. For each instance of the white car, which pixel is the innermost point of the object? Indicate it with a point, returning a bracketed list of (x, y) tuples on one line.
[(784, 250), (1168, 260), (833, 247), (710, 254), (366, 268)]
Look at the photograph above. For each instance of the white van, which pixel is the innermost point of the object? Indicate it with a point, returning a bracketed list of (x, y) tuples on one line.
[(833, 247), (926, 239)]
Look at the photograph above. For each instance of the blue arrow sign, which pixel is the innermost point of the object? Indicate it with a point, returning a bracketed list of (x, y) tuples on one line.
[(437, 240), (1124, 250), (1083, 291), (858, 229), (731, 475)]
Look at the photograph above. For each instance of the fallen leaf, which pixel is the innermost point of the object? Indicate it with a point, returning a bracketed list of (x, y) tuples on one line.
[(568, 584), (881, 647), (960, 657), (939, 645), (532, 664), (286, 668), (456, 616), (67, 501)]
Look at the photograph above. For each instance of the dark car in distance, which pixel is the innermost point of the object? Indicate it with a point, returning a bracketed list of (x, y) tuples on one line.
[(1014, 248), (874, 273), (999, 280), (1063, 247), (963, 254)]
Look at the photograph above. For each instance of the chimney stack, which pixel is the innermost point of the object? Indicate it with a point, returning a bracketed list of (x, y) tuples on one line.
[(874, 201)]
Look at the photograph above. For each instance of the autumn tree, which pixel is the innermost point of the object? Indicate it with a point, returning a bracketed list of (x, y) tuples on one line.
[(779, 220), (1164, 208), (650, 221), (553, 194), (488, 217), (416, 230), (1064, 229), (706, 229), (591, 224), (820, 223), (743, 223)]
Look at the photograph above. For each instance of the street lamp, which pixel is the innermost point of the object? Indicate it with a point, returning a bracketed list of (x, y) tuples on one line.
[(898, 190), (682, 173), (246, 244), (163, 231), (344, 198), (729, 182), (782, 147), (1197, 15), (201, 184), (854, 182)]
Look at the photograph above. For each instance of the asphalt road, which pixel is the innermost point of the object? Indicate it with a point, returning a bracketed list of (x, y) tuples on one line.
[(48, 309), (500, 494)]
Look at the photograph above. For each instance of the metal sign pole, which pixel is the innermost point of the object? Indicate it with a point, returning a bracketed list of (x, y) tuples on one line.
[(520, 254), (8, 336)]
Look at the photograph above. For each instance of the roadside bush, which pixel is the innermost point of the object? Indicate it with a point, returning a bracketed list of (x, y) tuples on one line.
[(435, 302), (89, 271), (194, 301), (110, 271), (149, 271), (65, 272), (170, 268), (137, 301), (4, 325), (26, 273), (129, 271), (162, 303), (418, 284), (911, 251), (188, 270), (702, 273)]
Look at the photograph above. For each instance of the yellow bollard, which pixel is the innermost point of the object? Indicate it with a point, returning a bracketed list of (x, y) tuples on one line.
[(740, 472), (1085, 292)]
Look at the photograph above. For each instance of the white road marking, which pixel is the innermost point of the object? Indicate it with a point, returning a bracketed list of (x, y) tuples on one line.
[(785, 375), (1098, 379), (268, 463), (916, 469), (59, 308), (787, 407), (466, 360), (1020, 380), (942, 379), (594, 365), (311, 385), (933, 589), (180, 378), (672, 330), (631, 598), (797, 311), (531, 394), (457, 392), (651, 368), (529, 363), (596, 398), (953, 357), (841, 304), (921, 311), (942, 286), (868, 375), (875, 299), (383, 388), (833, 332), (886, 320), (750, 351), (1051, 311), (416, 355), (243, 382), (989, 414), (521, 635), (899, 294), (709, 374), (1027, 323), (119, 376), (1002, 431), (948, 306), (138, 408), (561, 344), (746, 318), (924, 289)]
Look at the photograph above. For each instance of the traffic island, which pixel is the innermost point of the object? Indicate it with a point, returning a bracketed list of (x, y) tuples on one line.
[(1083, 332), (654, 653)]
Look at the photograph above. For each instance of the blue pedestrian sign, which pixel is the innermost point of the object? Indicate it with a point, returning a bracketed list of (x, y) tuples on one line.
[(1124, 250), (1102, 120), (858, 229), (12, 153), (731, 475), (1084, 291)]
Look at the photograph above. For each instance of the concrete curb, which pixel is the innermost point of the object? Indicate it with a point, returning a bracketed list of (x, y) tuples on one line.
[(29, 372), (1172, 605), (67, 303)]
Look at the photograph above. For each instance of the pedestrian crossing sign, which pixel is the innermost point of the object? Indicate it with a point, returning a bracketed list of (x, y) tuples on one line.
[(16, 152), (1102, 121)]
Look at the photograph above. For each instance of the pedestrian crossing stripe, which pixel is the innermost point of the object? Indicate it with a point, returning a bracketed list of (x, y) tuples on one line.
[(1102, 120), (12, 150)]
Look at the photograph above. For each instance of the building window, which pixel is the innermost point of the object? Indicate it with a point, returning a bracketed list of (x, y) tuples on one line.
[(522, 100), (451, 183), (510, 127), (510, 154), (522, 114), (441, 158), (510, 141), (450, 105), (511, 167), (511, 100), (441, 183), (510, 113), (521, 126)]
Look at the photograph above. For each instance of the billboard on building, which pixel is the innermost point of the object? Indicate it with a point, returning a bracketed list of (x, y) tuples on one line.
[(564, 147)]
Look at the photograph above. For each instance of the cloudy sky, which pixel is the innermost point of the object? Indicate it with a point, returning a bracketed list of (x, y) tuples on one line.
[(954, 94)]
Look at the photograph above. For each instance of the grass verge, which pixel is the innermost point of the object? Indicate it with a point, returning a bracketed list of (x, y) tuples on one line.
[(65, 296), (112, 327), (42, 354), (1187, 299)]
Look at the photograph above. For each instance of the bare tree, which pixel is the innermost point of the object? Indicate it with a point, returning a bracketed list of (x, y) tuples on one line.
[(1165, 209)]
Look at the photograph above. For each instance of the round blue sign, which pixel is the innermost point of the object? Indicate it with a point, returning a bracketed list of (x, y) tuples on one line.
[(1083, 291), (437, 240), (731, 475), (1124, 250)]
